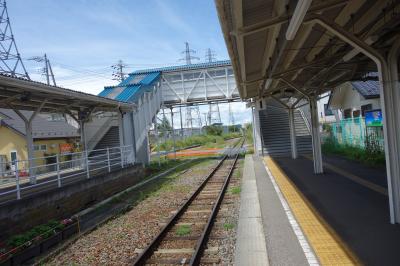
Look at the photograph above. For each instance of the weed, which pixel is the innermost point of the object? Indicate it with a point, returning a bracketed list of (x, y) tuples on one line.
[(183, 230), (236, 190), (228, 226)]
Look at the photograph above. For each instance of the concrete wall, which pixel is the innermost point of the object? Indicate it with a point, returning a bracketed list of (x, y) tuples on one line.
[(62, 203)]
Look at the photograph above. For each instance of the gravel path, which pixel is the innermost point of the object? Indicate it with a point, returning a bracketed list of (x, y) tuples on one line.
[(114, 242)]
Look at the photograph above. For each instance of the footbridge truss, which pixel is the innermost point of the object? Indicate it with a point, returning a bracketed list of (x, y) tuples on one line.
[(181, 85)]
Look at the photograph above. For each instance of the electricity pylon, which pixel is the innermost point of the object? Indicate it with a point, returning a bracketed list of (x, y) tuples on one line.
[(214, 116), (188, 55), (10, 59), (210, 56)]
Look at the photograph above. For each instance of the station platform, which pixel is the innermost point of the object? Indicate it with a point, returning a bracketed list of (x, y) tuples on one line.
[(338, 218)]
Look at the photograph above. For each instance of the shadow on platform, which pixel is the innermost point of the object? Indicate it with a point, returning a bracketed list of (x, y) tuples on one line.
[(358, 214)]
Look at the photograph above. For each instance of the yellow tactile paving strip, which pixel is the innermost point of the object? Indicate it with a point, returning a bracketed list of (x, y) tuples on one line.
[(326, 244)]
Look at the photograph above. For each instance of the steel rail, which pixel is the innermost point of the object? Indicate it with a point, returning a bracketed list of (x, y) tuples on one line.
[(201, 243), (149, 250)]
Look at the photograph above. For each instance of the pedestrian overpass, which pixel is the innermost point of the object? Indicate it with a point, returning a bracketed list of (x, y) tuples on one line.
[(169, 87)]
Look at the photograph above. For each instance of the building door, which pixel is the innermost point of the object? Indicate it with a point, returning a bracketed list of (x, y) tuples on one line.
[(13, 156)]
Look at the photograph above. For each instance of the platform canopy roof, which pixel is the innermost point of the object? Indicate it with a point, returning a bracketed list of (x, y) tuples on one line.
[(29, 95), (276, 45)]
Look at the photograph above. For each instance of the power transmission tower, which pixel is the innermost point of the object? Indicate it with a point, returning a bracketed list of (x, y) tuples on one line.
[(118, 73), (46, 70), (214, 116), (10, 59), (188, 55), (205, 118), (210, 55), (193, 117)]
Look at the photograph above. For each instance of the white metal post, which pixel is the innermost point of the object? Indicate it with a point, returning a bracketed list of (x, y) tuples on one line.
[(108, 159), (173, 133), (292, 133), (87, 163), (122, 157), (58, 170), (316, 138), (157, 141), (17, 181)]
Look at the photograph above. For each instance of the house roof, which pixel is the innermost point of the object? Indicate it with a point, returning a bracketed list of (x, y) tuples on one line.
[(368, 89), (42, 127)]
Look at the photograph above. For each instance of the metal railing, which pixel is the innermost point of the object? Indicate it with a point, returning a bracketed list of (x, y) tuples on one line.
[(61, 169)]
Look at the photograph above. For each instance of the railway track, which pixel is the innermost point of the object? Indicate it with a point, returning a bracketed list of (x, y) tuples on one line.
[(183, 240)]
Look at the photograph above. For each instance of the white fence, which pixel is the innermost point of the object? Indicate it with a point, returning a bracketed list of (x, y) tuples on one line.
[(57, 170)]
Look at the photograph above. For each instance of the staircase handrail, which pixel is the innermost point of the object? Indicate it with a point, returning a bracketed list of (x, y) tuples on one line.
[(306, 119)]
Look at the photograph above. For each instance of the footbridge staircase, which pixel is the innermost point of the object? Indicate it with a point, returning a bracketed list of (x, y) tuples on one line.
[(275, 132)]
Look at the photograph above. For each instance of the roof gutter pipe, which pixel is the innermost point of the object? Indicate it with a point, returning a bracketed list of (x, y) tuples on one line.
[(294, 25), (297, 18)]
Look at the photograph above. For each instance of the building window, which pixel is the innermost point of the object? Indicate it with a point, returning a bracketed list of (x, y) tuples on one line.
[(328, 111), (356, 113), (56, 117), (41, 147), (365, 108), (347, 113)]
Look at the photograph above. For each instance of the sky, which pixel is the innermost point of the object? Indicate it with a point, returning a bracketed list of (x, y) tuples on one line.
[(84, 38)]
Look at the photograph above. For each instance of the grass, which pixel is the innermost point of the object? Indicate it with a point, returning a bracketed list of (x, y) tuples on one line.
[(370, 158), (229, 226), (183, 230), (235, 190), (203, 140)]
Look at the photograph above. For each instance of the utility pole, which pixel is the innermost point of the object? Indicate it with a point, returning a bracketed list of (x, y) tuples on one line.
[(118, 73), (188, 55), (210, 56), (46, 70), (10, 59)]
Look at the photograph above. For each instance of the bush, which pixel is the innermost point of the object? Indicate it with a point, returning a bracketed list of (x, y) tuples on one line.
[(36, 233), (371, 157)]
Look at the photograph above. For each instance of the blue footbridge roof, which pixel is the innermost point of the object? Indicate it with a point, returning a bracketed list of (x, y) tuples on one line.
[(131, 88)]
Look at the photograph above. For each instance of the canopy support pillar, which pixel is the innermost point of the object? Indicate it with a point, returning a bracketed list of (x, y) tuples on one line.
[(292, 128)]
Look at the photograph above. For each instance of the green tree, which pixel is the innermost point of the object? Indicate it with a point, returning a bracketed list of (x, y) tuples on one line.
[(164, 126), (214, 130)]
